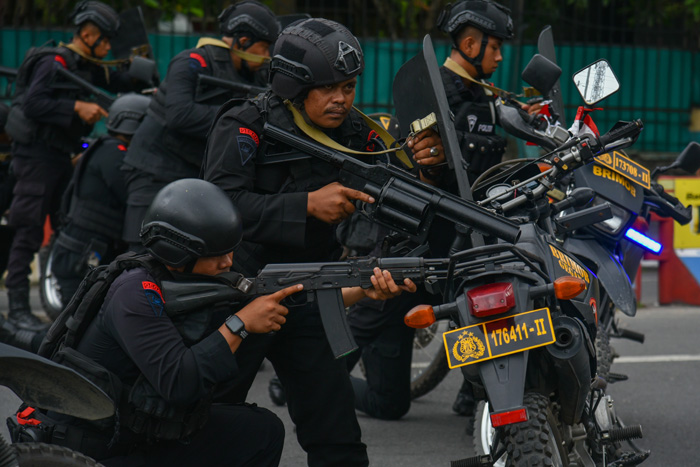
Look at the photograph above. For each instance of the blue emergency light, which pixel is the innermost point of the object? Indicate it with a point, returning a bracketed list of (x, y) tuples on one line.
[(644, 241)]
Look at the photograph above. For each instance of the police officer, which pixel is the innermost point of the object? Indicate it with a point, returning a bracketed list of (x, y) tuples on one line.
[(290, 210), (478, 29), (47, 125), (95, 201), (168, 369), (170, 143)]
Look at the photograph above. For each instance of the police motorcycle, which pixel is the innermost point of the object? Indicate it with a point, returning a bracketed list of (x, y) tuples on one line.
[(43, 384), (523, 317)]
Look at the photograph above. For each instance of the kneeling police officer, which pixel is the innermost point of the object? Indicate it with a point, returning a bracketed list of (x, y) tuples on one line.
[(169, 370)]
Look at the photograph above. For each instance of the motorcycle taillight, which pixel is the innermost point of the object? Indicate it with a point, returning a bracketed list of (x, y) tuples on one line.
[(491, 299)]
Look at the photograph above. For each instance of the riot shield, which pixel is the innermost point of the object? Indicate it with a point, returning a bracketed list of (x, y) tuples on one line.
[(44, 384), (545, 45), (418, 93)]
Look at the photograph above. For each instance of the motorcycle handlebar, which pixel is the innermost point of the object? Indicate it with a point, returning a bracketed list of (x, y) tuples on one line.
[(629, 130)]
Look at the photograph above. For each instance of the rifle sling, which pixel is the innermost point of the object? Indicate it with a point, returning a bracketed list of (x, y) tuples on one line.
[(455, 68), (322, 138)]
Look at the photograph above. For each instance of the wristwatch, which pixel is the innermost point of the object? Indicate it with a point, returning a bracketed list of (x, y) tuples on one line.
[(236, 326)]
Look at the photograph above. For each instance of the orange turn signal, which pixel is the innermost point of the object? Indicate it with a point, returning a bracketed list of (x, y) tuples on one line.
[(543, 166), (568, 287), (420, 317)]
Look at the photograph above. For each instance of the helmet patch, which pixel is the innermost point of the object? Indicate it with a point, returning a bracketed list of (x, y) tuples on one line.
[(348, 60)]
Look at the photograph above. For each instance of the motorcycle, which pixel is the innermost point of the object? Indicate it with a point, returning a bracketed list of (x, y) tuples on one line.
[(43, 384), (525, 317)]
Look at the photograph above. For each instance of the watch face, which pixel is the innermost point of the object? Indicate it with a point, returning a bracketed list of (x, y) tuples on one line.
[(236, 326)]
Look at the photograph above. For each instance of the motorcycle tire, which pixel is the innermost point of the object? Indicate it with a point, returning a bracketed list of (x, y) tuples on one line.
[(50, 455), (535, 442), (429, 362), (49, 291), (604, 353)]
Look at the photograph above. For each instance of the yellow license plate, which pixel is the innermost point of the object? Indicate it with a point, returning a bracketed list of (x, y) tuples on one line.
[(504, 336), (626, 167)]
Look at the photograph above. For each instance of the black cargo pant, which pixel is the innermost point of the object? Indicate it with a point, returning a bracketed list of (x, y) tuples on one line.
[(235, 435), (37, 193), (318, 390)]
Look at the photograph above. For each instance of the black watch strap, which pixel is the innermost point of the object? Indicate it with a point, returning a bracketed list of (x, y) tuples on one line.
[(236, 326)]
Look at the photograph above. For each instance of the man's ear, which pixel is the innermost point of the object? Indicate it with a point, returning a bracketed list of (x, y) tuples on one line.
[(470, 46)]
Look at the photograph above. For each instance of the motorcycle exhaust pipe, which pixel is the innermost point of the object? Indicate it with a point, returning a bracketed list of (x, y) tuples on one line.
[(571, 357)]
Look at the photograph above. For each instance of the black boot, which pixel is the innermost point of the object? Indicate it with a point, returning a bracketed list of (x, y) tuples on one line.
[(464, 403), (20, 313), (21, 338), (277, 391)]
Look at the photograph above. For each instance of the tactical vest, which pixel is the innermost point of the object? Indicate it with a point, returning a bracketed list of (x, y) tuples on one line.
[(475, 123), (187, 147), (280, 169), (90, 214), (27, 131), (69, 328)]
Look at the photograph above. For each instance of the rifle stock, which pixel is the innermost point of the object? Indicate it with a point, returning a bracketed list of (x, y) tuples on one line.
[(222, 86), (322, 281), (403, 202)]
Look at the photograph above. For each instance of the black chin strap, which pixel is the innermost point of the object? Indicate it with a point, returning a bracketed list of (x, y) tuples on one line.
[(476, 61), (94, 45)]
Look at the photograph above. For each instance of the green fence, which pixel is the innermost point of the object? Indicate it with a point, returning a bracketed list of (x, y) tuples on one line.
[(660, 86)]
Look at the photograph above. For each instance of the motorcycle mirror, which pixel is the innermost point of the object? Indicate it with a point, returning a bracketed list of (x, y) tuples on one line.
[(596, 82), (689, 159), (541, 73)]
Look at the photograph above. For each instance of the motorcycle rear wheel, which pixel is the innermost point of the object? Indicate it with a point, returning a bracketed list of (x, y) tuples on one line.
[(429, 362), (49, 290), (50, 455), (535, 442)]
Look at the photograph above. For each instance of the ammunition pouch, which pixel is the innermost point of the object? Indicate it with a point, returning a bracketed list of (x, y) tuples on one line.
[(20, 128), (147, 413)]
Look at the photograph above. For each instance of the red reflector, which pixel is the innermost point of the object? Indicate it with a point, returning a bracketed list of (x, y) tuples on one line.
[(491, 299), (507, 418)]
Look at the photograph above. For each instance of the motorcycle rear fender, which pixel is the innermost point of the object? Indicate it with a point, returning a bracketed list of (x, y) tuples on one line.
[(504, 381), (610, 272)]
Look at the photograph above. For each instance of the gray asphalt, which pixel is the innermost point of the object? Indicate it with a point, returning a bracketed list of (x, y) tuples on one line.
[(661, 394)]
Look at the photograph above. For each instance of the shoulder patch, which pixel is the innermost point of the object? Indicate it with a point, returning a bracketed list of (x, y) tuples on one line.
[(154, 297), (199, 58), (61, 60), (248, 131), (121, 147), (247, 147)]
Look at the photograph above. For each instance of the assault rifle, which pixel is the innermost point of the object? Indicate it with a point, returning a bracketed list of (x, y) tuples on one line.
[(402, 202), (103, 99), (205, 83), (322, 282)]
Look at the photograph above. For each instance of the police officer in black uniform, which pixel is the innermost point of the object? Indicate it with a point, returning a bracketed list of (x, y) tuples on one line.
[(290, 210), (170, 143), (168, 369), (478, 29), (95, 201), (46, 125)]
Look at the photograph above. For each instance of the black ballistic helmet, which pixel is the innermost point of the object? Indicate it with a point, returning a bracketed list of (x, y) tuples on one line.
[(249, 18), (102, 15), (311, 53), (489, 17), (126, 113), (189, 219)]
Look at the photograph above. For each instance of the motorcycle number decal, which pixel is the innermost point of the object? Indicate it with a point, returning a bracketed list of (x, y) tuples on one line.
[(493, 339), (567, 266), (626, 167)]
